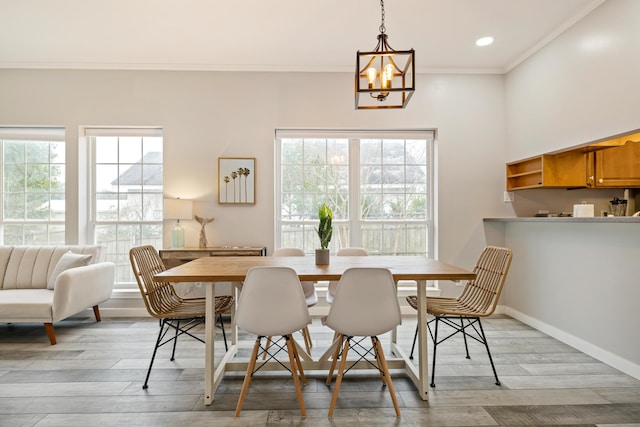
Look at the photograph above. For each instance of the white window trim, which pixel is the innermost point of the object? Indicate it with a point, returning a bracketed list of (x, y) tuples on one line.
[(429, 134)]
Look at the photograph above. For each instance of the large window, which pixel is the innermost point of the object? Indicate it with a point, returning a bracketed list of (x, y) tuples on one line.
[(378, 184), (126, 193), (33, 186)]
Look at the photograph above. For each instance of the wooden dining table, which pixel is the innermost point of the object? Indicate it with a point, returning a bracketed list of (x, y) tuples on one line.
[(212, 270)]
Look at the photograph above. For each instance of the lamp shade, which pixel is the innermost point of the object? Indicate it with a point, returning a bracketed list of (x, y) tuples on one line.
[(178, 209)]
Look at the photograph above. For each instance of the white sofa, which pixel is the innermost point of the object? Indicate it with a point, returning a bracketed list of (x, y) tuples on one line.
[(26, 273)]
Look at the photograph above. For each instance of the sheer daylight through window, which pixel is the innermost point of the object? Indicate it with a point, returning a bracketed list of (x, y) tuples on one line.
[(33, 186), (378, 184), (126, 193)]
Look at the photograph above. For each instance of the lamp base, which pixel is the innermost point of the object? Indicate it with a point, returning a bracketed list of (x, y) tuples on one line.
[(177, 236)]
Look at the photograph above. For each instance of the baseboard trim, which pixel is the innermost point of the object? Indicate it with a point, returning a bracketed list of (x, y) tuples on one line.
[(592, 350)]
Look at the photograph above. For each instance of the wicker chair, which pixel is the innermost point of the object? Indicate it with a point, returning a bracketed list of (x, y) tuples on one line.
[(478, 299), (163, 303)]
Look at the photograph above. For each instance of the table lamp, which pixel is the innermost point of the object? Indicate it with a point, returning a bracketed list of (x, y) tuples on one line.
[(178, 209)]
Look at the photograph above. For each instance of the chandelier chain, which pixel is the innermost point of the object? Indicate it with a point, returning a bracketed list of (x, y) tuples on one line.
[(382, 27)]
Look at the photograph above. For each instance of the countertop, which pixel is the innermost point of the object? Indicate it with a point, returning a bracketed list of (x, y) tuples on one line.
[(598, 219)]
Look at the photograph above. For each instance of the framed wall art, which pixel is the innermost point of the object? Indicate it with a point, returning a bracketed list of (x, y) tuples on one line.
[(236, 180)]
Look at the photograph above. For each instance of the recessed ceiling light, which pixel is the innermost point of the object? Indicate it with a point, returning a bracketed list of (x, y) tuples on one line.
[(484, 41)]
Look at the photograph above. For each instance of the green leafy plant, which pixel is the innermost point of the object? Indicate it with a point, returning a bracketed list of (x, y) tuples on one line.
[(325, 230)]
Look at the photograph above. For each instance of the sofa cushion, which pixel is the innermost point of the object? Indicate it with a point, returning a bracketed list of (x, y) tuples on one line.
[(29, 267), (67, 260), (27, 305)]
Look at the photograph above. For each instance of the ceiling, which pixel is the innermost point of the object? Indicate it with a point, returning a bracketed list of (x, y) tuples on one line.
[(276, 35)]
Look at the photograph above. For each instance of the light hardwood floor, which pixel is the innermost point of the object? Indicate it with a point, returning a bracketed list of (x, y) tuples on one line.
[(93, 377)]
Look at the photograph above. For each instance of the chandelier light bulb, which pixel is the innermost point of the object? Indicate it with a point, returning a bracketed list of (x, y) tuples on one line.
[(372, 73), (387, 76)]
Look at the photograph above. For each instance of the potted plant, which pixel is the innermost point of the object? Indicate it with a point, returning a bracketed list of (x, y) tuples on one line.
[(324, 231)]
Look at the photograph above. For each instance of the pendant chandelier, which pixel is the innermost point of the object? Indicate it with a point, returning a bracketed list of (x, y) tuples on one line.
[(385, 78)]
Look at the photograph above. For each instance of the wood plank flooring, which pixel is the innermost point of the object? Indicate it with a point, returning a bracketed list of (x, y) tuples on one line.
[(94, 376)]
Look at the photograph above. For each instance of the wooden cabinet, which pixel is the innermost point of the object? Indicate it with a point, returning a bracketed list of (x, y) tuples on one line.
[(174, 257), (568, 169), (616, 167), (613, 163)]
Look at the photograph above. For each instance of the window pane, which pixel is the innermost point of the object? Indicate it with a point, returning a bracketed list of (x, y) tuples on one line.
[(106, 149), (393, 152), (153, 144), (130, 149), (14, 151), (14, 177), (38, 152), (14, 206), (152, 177), (128, 197), (130, 176), (392, 189), (315, 151), (57, 178), (152, 207), (106, 177), (37, 178), (370, 151), (33, 197), (12, 234), (57, 153), (38, 206)]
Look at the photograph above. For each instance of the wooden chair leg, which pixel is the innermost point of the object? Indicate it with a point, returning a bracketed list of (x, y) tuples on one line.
[(292, 352), (378, 362), (266, 347), (247, 376), (96, 312), (307, 339), (336, 390), (334, 359), (385, 369), (50, 333), (298, 362)]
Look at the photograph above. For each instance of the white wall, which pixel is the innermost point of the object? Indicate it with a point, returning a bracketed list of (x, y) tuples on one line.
[(581, 87), (577, 282), (206, 115)]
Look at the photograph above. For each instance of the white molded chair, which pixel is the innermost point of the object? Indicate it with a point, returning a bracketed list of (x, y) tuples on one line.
[(331, 289), (365, 305), (266, 290), (309, 289)]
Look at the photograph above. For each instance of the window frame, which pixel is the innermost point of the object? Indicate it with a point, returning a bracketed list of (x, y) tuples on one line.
[(34, 134), (354, 221), (121, 260)]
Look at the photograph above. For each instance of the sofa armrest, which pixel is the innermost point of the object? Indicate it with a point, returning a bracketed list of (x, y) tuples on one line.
[(82, 287)]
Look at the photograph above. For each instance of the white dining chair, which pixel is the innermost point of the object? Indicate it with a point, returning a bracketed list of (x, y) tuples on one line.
[(265, 291), (365, 305), (331, 289), (310, 293)]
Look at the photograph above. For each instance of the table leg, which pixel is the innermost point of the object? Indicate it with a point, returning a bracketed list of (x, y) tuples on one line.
[(209, 339), (423, 363), (235, 291)]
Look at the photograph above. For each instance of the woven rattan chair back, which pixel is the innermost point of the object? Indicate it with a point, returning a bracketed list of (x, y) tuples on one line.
[(160, 298), (481, 295)]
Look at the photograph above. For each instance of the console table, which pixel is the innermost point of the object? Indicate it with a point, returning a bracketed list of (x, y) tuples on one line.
[(174, 257)]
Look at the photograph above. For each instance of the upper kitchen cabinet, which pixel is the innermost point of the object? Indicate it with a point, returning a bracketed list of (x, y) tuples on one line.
[(610, 163), (567, 169), (617, 166)]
